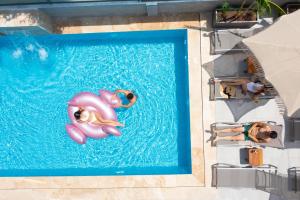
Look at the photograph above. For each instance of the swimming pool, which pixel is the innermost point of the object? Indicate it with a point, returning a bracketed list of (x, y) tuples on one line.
[(40, 74)]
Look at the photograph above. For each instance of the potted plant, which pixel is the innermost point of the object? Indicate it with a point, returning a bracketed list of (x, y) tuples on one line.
[(265, 7), (228, 16), (243, 16)]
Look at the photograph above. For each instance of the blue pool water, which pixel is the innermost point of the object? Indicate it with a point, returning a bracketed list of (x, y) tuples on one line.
[(40, 74)]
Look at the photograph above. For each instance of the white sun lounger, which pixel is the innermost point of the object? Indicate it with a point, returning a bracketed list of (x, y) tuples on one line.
[(225, 175)]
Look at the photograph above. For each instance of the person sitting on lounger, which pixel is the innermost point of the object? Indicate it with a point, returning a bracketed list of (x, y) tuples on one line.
[(258, 132), (255, 88)]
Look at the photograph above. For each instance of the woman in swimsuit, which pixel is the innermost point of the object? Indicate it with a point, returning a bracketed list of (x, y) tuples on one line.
[(254, 88), (130, 97), (258, 132), (93, 117)]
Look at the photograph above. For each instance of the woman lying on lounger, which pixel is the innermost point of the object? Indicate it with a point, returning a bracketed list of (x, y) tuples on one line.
[(255, 88), (258, 132)]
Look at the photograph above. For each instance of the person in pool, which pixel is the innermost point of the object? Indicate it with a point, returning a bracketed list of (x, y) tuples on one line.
[(130, 97), (83, 115), (258, 132)]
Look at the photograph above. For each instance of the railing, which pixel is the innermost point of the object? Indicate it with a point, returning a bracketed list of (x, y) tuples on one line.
[(294, 177), (226, 175), (96, 8), (16, 2)]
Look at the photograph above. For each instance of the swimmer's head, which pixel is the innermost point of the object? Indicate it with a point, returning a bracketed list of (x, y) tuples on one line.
[(130, 96), (273, 134)]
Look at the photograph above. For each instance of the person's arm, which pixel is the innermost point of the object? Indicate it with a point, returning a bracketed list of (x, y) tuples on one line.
[(257, 124), (121, 91), (100, 119), (252, 127), (126, 106), (115, 97), (253, 138), (261, 124), (250, 132), (266, 140)]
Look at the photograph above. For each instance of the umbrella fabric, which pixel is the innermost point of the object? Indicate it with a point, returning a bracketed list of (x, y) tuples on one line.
[(277, 50)]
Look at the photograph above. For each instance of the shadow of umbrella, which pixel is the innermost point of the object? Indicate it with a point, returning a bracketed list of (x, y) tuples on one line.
[(227, 64), (241, 107)]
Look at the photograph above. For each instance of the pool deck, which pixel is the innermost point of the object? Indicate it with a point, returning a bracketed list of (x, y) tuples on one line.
[(203, 112), (140, 187)]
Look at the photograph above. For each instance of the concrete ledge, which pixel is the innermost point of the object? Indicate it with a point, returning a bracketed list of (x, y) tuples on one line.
[(116, 8)]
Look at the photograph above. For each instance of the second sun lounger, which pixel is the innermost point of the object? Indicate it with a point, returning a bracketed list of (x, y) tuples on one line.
[(225, 175), (276, 143)]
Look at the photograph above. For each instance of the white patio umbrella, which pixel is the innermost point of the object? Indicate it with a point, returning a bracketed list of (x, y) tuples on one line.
[(277, 50)]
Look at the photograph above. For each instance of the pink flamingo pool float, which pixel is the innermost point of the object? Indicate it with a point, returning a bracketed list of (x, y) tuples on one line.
[(103, 104)]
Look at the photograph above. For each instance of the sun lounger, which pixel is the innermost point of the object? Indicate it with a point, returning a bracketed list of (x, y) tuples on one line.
[(294, 179), (276, 143), (218, 84), (227, 40), (225, 175)]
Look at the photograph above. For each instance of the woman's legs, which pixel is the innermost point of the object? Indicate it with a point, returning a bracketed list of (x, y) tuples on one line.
[(102, 121), (111, 123)]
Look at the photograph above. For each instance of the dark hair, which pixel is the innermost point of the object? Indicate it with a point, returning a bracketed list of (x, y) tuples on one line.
[(77, 114), (273, 134), (129, 96), (226, 92)]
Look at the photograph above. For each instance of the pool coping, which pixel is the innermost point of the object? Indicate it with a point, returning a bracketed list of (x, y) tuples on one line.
[(197, 178)]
